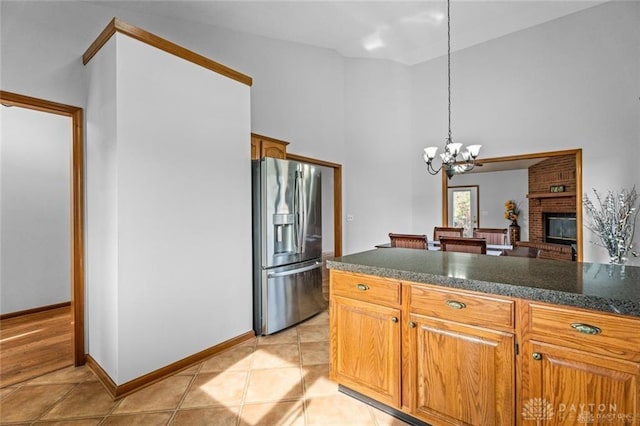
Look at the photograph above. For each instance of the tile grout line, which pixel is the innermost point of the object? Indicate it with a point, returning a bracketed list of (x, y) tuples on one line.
[(55, 403), (246, 383), (302, 384), (13, 388), (110, 412), (310, 337), (184, 394)]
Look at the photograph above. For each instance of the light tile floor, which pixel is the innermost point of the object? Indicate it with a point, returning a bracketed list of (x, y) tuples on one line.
[(282, 379)]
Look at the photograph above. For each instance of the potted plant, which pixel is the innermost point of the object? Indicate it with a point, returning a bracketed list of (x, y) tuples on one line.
[(511, 212)]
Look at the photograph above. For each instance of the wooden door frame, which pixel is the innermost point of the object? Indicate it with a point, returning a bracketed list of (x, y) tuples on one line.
[(337, 197), (578, 158), (77, 207)]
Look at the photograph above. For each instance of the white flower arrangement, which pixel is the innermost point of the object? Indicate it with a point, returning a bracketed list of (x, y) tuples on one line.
[(613, 221)]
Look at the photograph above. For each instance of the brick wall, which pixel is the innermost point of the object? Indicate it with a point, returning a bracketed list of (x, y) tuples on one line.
[(554, 171)]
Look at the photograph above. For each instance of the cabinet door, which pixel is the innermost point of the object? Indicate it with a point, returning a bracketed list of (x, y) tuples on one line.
[(365, 348), (274, 149), (571, 387), (460, 375)]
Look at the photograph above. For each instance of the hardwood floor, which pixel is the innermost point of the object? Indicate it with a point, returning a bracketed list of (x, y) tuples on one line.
[(35, 344)]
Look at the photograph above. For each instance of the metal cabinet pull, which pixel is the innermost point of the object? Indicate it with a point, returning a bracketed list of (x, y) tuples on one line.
[(537, 356), (412, 324), (585, 328), (394, 319), (362, 287), (454, 304)]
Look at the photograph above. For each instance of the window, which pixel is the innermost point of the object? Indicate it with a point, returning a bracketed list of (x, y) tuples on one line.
[(463, 208)]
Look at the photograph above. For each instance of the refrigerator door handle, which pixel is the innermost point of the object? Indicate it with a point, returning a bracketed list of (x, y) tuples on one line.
[(302, 205), (295, 271), (298, 211)]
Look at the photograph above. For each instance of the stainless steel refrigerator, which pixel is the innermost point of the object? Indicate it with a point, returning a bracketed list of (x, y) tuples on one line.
[(287, 243)]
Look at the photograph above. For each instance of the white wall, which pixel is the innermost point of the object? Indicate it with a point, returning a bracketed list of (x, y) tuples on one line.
[(377, 131), (297, 93), (35, 232), (101, 211), (570, 83), (183, 208), (495, 188)]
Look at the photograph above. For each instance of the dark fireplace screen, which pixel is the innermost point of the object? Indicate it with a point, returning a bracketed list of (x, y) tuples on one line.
[(560, 228)]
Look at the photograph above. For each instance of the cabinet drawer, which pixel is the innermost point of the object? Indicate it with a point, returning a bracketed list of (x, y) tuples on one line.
[(462, 307), (600, 332), (365, 287)]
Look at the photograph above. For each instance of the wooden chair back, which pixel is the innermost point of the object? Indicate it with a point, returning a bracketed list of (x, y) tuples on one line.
[(550, 251), (533, 252), (439, 231), (409, 241), (464, 245), (492, 235)]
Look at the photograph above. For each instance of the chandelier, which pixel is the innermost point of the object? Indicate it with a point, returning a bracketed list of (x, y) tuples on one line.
[(454, 160)]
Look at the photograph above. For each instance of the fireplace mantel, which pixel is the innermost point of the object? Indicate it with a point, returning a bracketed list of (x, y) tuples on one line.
[(533, 195)]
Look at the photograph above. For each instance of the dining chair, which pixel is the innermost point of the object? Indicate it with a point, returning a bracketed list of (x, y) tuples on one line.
[(409, 241), (550, 251), (533, 252), (439, 231), (464, 245), (496, 236)]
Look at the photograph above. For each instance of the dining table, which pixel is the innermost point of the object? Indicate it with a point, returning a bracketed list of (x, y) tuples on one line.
[(492, 249)]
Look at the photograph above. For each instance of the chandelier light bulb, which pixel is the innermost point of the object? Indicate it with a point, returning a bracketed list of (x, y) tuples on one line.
[(454, 148), (474, 150), (430, 153)]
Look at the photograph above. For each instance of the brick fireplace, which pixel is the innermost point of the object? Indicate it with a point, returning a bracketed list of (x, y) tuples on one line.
[(543, 203)]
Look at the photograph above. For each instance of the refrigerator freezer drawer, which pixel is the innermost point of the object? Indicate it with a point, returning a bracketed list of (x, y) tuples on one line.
[(289, 295)]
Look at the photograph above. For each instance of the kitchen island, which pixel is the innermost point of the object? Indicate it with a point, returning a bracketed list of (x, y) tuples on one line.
[(458, 338)]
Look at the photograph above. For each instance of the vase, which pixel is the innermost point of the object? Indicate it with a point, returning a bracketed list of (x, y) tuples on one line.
[(514, 232), (618, 249), (619, 258)]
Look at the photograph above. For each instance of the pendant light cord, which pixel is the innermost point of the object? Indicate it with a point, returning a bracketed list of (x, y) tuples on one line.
[(449, 63)]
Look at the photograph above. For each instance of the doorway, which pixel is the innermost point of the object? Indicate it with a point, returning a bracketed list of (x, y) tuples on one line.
[(337, 197), (525, 162), (76, 209), (336, 189), (463, 208)]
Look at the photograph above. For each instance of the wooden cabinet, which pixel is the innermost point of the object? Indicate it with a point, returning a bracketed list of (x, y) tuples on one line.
[(454, 357), (263, 146), (579, 367), (366, 350), (463, 307), (366, 288), (576, 387), (365, 336), (459, 373)]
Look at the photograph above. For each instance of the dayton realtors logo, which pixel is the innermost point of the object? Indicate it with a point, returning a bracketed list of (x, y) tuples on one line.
[(540, 410), (537, 409)]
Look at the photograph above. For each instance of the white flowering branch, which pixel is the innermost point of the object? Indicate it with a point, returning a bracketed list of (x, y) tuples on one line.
[(613, 221)]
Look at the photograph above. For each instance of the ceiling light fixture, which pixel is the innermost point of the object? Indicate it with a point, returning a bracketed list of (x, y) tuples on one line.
[(452, 151)]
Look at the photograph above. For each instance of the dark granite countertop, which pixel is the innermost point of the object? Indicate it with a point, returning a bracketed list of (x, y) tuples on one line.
[(601, 287)]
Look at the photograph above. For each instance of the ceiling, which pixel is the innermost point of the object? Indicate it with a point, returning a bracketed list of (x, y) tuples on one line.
[(407, 32)]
